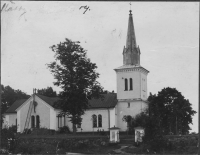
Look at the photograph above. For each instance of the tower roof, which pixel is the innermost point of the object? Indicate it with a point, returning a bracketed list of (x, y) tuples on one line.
[(131, 39), (131, 53)]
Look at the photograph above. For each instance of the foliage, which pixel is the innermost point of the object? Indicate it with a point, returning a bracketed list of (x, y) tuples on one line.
[(76, 75), (171, 111), (64, 129), (142, 120), (27, 131), (47, 92), (159, 119), (158, 144), (9, 132), (35, 146), (101, 132), (9, 96), (49, 146), (41, 131), (6, 134)]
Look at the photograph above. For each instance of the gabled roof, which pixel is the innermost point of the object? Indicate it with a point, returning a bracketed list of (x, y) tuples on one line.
[(109, 101), (49, 100), (15, 105)]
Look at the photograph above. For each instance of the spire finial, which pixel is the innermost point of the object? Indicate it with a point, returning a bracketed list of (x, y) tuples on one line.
[(130, 8)]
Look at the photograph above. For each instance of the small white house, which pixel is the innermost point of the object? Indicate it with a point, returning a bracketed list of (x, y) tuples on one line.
[(131, 99)]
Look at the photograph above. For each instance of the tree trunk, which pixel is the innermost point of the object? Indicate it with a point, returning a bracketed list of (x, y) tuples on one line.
[(74, 128)]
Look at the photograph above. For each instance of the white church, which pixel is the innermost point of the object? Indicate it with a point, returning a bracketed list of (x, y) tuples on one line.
[(130, 99)]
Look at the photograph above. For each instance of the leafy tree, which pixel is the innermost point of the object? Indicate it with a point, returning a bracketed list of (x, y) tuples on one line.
[(47, 92), (76, 75), (9, 96), (173, 112), (168, 113)]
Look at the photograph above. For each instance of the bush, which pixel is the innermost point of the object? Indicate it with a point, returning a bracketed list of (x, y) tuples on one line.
[(27, 131), (8, 133), (54, 146), (34, 146), (159, 143), (64, 129), (41, 131)]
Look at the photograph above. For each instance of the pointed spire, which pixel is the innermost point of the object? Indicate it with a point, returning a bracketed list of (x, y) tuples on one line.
[(131, 52), (131, 39)]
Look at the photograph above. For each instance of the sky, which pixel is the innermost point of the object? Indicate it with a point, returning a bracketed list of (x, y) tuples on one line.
[(167, 33)]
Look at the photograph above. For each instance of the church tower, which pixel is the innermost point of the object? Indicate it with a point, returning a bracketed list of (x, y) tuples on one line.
[(131, 80)]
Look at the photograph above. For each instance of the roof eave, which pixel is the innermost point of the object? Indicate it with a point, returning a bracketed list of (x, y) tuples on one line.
[(118, 69), (7, 113)]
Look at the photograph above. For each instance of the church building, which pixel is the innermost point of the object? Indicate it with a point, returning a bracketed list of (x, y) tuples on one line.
[(130, 99)]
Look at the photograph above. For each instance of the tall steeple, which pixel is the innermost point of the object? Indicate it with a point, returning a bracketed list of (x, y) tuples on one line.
[(131, 39), (131, 53)]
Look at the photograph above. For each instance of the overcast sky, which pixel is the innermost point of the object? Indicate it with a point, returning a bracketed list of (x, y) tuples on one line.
[(167, 33)]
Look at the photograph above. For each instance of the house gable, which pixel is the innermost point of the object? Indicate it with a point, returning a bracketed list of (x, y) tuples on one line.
[(30, 99)]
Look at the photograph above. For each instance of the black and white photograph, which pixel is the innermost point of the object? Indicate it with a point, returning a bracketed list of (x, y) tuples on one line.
[(99, 77)]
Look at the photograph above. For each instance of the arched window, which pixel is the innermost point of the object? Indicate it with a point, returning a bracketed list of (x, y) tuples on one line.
[(94, 118), (37, 121), (131, 84), (32, 121), (99, 120), (126, 84)]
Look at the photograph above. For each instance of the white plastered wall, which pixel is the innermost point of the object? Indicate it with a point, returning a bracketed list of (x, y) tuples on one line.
[(87, 124), (129, 94), (42, 109), (143, 86), (18, 121), (112, 118), (135, 108), (52, 119)]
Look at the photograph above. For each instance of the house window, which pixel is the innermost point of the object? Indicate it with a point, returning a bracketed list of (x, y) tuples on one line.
[(37, 121), (94, 118), (131, 84), (128, 105), (32, 121), (126, 84), (16, 121), (99, 121)]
